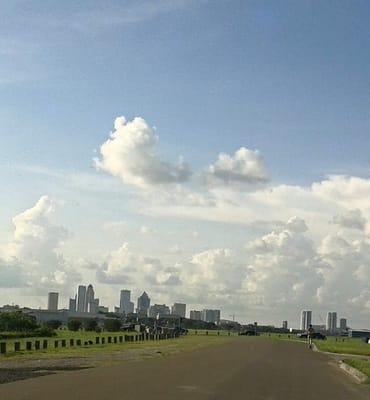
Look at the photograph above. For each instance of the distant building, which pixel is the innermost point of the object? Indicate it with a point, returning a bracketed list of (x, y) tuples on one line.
[(331, 322), (103, 309), (306, 319), (72, 305), (359, 333), (159, 310), (179, 309), (196, 315), (89, 301), (143, 304), (211, 316), (285, 324), (343, 324), (53, 301), (126, 306), (81, 298), (94, 306)]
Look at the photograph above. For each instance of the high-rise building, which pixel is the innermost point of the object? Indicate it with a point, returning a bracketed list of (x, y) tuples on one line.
[(331, 322), (143, 304), (126, 306), (196, 315), (306, 319), (159, 310), (343, 324), (94, 306), (53, 301), (89, 301), (285, 324), (211, 316), (72, 304), (81, 298), (179, 309)]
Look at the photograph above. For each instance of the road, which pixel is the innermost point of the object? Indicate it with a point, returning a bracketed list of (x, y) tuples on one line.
[(247, 368)]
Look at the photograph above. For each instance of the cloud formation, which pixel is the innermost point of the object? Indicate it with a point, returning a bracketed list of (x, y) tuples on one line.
[(130, 154), (245, 166)]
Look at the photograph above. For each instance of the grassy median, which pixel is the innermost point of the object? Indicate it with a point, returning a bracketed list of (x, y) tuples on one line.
[(361, 365), (344, 346)]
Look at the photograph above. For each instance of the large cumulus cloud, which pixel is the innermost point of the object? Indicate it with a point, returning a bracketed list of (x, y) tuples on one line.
[(130, 154)]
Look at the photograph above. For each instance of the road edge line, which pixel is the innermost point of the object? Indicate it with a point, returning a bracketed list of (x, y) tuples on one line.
[(354, 372)]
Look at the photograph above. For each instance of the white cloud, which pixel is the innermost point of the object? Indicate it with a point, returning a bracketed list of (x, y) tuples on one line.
[(32, 258), (351, 219), (244, 166), (130, 154)]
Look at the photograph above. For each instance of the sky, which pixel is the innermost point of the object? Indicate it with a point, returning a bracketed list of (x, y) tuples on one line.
[(208, 152)]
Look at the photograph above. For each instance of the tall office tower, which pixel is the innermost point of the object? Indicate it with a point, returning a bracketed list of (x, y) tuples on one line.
[(126, 306), (331, 322), (89, 298), (285, 324), (53, 301), (179, 309), (72, 304), (143, 304), (211, 316), (196, 315), (306, 319), (343, 324), (81, 298), (94, 306)]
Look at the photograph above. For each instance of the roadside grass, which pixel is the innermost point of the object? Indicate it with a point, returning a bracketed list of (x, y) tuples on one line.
[(164, 347), (344, 346), (361, 365)]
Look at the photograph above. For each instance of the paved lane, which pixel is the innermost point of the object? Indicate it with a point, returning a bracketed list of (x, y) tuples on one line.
[(248, 368)]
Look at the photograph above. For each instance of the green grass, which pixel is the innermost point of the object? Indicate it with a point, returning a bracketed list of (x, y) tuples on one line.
[(344, 346), (203, 332), (361, 365)]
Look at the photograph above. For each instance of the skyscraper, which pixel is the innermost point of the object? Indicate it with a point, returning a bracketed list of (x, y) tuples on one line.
[(143, 304), (211, 315), (89, 302), (126, 306), (343, 324), (179, 309), (331, 322), (53, 301), (306, 319), (81, 298), (72, 304)]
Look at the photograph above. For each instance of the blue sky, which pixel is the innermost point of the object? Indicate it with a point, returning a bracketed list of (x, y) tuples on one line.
[(290, 79)]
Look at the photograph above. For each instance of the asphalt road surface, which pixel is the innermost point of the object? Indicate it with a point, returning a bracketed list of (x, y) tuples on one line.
[(247, 368)]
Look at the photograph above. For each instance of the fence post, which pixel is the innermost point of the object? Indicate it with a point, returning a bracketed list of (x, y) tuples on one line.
[(2, 348)]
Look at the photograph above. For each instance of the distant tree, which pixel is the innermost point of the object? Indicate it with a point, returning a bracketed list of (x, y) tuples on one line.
[(74, 325), (112, 325), (90, 325), (53, 324), (17, 322)]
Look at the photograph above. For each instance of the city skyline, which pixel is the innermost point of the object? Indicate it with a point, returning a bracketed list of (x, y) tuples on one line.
[(213, 153)]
